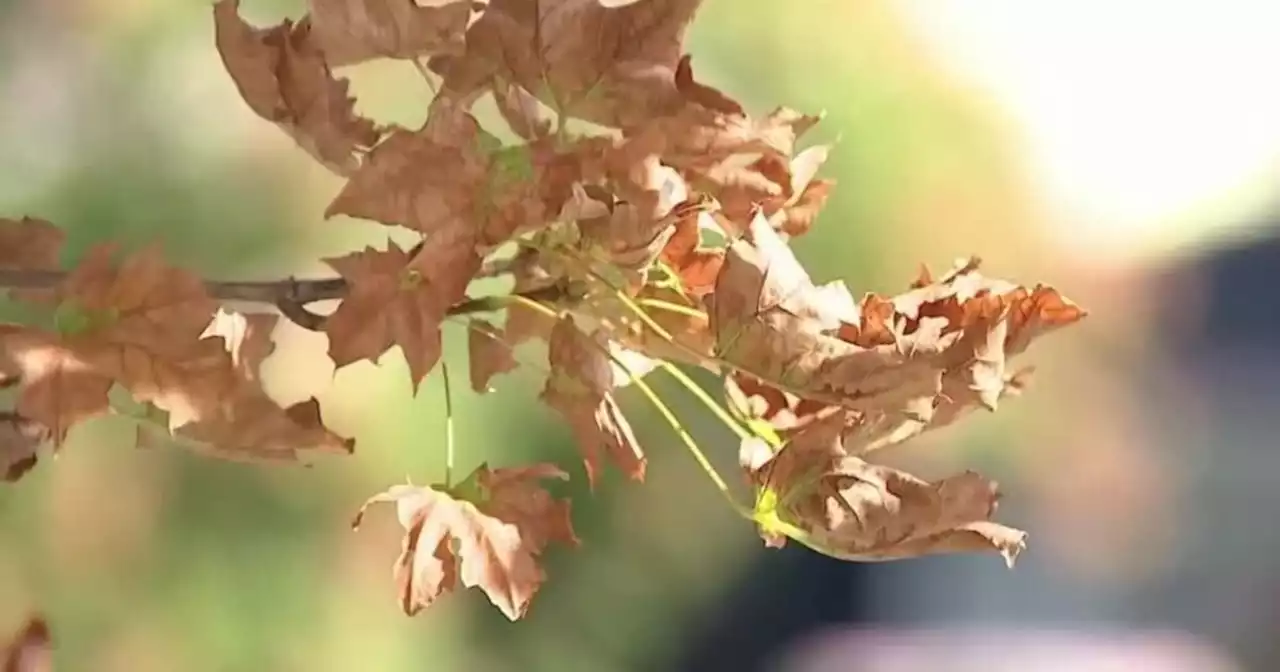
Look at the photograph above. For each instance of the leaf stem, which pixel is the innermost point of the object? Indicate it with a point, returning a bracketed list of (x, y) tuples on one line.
[(674, 422), (715, 407), (448, 425)]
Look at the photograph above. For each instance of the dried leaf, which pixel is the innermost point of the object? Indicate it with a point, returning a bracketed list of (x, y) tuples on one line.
[(30, 243), (580, 387), (29, 650), (614, 66), (59, 388), (247, 337), (137, 323), (853, 510), (248, 425), (251, 427), (526, 116), (524, 323), (457, 184), (19, 439), (394, 299), (489, 533), (282, 74), (354, 31), (884, 356), (650, 199), (696, 266), (744, 163), (489, 354)]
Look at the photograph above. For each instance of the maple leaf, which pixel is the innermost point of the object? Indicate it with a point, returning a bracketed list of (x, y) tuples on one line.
[(252, 427), (457, 184), (771, 321), (248, 425), (850, 509), (394, 299), (647, 202), (137, 323), (615, 66), (580, 386), (354, 31), (744, 163), (489, 354), (29, 649), (282, 74), (488, 532), (59, 389)]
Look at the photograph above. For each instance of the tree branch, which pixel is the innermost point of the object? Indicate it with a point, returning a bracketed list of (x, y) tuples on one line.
[(290, 296)]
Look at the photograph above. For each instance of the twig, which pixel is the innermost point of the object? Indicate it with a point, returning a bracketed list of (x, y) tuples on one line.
[(290, 295)]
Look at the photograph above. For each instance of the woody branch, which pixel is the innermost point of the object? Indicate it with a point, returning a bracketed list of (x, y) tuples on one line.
[(289, 295)]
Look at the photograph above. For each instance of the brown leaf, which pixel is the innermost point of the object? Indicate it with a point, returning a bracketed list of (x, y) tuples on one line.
[(489, 354), (456, 183), (19, 439), (884, 356), (427, 180), (59, 388), (30, 243), (29, 650), (251, 427), (248, 425), (137, 323), (523, 112), (354, 31), (489, 536), (282, 74), (709, 97), (853, 510), (614, 66), (697, 266), (580, 387), (650, 199), (745, 163), (247, 337), (394, 299), (524, 323)]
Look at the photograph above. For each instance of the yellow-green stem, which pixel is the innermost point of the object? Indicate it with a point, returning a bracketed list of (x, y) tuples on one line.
[(448, 426)]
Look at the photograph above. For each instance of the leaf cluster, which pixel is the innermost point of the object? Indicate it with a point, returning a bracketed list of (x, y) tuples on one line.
[(645, 220)]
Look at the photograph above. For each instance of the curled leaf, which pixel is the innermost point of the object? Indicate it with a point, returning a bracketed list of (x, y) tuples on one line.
[(487, 533), (282, 74), (850, 509), (580, 386), (884, 355)]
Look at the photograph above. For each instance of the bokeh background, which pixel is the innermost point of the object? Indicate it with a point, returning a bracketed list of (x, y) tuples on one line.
[(1128, 153)]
